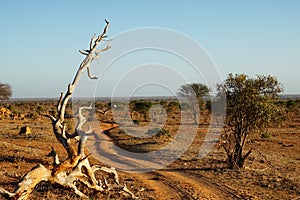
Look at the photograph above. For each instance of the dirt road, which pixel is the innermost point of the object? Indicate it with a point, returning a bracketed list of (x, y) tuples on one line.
[(168, 183)]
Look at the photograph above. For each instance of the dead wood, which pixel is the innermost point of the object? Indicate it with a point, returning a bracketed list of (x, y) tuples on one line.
[(76, 167)]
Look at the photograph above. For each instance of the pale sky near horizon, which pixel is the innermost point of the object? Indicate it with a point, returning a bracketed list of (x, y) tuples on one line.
[(40, 39)]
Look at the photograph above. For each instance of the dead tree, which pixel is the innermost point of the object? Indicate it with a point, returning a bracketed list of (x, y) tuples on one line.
[(76, 167)]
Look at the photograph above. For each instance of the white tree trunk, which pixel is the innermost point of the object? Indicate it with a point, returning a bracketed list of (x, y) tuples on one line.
[(69, 171)]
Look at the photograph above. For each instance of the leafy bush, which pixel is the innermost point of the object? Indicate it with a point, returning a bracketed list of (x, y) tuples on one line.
[(251, 108), (174, 104), (290, 104), (159, 132), (163, 132), (40, 108), (136, 121), (265, 135), (163, 103), (99, 105), (141, 106)]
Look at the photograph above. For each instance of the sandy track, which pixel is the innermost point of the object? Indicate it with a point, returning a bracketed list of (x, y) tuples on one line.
[(173, 184), (181, 185)]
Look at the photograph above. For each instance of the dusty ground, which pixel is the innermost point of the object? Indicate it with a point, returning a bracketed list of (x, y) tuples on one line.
[(272, 171)]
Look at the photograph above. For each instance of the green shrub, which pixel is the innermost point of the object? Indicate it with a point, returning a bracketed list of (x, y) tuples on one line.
[(99, 105), (40, 108), (159, 132), (163, 103), (265, 135), (136, 121), (141, 106), (174, 104), (163, 132)]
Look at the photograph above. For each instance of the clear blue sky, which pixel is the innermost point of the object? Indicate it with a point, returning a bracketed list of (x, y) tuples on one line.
[(40, 39)]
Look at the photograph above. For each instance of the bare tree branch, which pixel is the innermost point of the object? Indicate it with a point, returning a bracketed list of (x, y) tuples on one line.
[(83, 52), (68, 172), (89, 73), (60, 101)]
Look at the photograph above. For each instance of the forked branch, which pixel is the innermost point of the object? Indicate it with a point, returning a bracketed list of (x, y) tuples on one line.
[(70, 171)]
